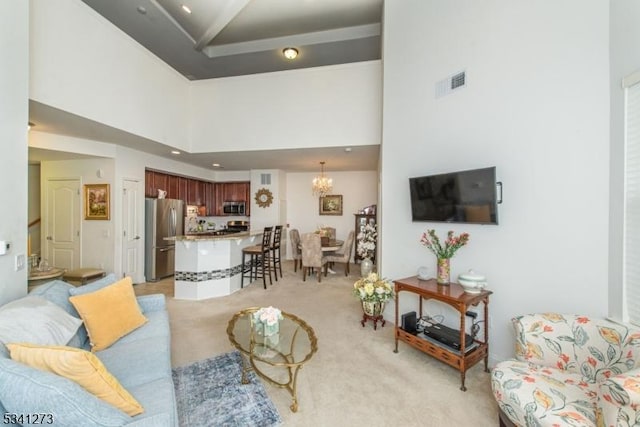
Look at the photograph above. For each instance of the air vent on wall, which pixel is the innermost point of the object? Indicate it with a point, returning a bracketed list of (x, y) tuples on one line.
[(450, 84), (265, 179)]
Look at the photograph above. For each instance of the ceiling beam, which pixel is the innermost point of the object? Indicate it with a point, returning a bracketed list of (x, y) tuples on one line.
[(162, 10), (230, 11), (328, 36)]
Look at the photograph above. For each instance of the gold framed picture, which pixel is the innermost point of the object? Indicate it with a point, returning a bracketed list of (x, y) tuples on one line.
[(331, 205), (96, 201)]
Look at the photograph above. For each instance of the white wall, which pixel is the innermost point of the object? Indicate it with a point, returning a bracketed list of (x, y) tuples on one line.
[(97, 237), (358, 189), (625, 59), (315, 107), (274, 214), (117, 163), (14, 87), (536, 107), (83, 64)]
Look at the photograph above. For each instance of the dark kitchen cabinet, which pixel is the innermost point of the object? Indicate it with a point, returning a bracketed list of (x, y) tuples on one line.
[(231, 192), (206, 194), (172, 187), (149, 189), (183, 188)]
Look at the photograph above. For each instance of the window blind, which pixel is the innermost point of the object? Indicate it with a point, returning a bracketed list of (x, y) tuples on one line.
[(632, 203)]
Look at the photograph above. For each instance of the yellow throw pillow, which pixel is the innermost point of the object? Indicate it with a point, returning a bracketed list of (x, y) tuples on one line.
[(79, 366), (109, 313)]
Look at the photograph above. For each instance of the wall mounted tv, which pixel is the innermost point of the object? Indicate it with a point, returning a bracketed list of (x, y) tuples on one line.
[(467, 197)]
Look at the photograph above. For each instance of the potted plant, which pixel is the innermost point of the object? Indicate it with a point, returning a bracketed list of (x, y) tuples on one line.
[(366, 246), (373, 292)]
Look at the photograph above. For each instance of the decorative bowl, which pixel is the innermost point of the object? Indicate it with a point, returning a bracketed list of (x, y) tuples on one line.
[(472, 282), (423, 273)]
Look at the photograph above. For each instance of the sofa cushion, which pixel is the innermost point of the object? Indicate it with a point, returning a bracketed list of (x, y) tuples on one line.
[(25, 390), (109, 313), (138, 362), (93, 286), (36, 320), (81, 367), (57, 292), (537, 395)]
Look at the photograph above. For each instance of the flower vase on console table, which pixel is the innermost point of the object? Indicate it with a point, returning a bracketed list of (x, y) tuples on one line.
[(443, 252), (444, 271)]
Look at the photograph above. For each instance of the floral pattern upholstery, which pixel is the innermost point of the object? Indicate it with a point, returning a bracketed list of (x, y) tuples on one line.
[(570, 370), (312, 254), (343, 255), (296, 251)]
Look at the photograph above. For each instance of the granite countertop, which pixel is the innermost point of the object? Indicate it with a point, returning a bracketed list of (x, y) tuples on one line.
[(210, 236)]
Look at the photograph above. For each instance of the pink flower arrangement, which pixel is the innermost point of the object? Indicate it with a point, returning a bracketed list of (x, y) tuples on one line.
[(268, 315), (451, 245)]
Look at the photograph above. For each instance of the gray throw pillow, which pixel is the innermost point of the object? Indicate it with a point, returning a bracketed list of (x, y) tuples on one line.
[(35, 320)]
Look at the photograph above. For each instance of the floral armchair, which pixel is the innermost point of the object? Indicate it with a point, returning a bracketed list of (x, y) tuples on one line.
[(570, 370)]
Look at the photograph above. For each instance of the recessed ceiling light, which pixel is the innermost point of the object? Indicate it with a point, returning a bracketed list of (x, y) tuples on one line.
[(290, 52), (347, 150), (141, 10), (215, 165), (175, 152), (186, 9)]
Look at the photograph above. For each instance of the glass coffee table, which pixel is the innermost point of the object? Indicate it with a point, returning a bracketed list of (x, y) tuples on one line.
[(276, 358)]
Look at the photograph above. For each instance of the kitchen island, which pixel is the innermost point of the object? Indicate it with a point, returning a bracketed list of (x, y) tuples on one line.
[(209, 265)]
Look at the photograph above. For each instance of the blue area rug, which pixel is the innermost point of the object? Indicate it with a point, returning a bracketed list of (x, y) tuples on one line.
[(210, 393)]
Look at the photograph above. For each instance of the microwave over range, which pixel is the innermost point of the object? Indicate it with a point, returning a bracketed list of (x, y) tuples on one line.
[(233, 208)]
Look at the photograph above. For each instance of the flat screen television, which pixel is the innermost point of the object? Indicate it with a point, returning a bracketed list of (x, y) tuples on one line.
[(467, 197)]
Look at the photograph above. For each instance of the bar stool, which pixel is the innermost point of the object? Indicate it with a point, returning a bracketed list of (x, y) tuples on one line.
[(275, 251), (259, 264)]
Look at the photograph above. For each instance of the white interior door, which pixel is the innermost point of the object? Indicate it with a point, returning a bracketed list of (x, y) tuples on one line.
[(131, 241), (62, 223)]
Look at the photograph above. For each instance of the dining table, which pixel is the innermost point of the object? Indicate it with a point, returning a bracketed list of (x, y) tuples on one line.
[(332, 245)]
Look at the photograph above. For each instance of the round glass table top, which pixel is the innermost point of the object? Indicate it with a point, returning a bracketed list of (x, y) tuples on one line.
[(290, 342)]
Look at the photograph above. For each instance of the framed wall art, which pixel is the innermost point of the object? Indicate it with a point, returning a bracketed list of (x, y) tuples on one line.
[(331, 205), (96, 201)]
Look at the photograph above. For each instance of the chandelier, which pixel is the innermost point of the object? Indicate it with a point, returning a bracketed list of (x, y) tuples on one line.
[(321, 184)]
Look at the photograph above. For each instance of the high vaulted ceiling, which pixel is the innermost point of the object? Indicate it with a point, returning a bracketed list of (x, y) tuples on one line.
[(223, 38)]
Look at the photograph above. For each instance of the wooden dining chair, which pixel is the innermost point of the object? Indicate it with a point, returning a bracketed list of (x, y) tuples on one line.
[(259, 264), (343, 255), (296, 250), (275, 252), (312, 256)]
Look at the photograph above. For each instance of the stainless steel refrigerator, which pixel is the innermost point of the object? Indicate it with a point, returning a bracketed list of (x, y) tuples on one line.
[(163, 218)]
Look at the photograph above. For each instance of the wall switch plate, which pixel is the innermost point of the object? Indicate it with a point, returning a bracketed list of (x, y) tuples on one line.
[(20, 262), (4, 247)]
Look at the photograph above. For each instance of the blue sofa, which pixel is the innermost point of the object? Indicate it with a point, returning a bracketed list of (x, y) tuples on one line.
[(141, 361)]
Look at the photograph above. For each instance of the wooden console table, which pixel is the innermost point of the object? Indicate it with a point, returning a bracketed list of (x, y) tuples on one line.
[(456, 297)]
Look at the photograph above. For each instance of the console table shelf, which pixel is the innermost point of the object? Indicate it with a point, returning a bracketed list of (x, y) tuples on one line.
[(456, 297)]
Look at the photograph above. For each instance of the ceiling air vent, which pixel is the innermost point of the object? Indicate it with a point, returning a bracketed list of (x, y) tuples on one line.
[(451, 83), (265, 179)]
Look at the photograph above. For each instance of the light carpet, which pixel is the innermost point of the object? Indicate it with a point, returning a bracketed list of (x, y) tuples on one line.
[(355, 378), (210, 393)]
